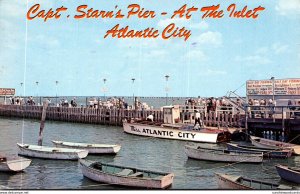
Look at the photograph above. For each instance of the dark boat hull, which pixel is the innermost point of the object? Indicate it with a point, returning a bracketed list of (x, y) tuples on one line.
[(288, 174)]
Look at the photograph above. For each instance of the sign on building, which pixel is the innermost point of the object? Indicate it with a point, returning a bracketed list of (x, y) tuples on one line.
[(7, 91), (281, 87)]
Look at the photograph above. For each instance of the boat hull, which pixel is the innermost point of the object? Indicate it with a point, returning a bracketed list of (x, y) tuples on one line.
[(224, 182), (15, 165), (113, 179), (93, 149), (267, 153), (50, 152), (169, 133), (288, 174), (221, 156), (271, 144)]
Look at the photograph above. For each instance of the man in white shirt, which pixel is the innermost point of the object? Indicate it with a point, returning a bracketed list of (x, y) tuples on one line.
[(197, 118)]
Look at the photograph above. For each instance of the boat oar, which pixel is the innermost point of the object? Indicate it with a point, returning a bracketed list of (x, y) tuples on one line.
[(45, 105)]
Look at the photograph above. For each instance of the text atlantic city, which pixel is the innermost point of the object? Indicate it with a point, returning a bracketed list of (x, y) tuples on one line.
[(163, 132)]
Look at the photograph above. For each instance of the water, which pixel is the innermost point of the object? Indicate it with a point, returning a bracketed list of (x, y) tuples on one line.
[(141, 152)]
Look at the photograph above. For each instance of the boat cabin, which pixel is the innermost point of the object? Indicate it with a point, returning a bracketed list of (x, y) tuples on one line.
[(171, 114), (179, 114)]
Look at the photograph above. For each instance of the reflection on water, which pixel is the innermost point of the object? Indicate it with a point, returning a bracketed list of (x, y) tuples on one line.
[(141, 152)]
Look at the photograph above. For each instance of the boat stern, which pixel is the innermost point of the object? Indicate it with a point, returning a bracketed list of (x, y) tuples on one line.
[(296, 150), (167, 181), (82, 153), (18, 165), (116, 148)]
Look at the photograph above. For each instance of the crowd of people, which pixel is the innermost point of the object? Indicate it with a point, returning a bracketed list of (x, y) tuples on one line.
[(211, 104), (21, 101), (109, 103), (256, 107), (261, 110), (267, 107), (65, 103), (114, 102)]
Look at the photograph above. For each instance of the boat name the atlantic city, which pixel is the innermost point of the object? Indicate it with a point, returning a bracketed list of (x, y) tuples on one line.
[(163, 133)]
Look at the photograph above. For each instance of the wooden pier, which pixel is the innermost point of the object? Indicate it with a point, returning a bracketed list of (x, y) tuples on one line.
[(273, 122), (278, 122), (109, 116)]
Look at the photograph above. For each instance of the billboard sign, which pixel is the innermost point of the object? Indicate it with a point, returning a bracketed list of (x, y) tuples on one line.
[(281, 87), (7, 91)]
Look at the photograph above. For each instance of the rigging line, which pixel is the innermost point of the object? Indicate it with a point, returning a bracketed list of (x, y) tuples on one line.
[(24, 78), (294, 138), (239, 87), (25, 66)]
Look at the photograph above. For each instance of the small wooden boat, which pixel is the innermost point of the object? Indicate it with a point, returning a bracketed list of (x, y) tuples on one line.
[(289, 173), (50, 152), (267, 152), (13, 165), (222, 155), (267, 143), (92, 148), (226, 181), (125, 176)]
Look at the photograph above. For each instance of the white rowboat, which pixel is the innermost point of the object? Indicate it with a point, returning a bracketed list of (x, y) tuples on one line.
[(267, 143), (221, 155), (51, 152), (125, 176), (92, 148), (14, 165)]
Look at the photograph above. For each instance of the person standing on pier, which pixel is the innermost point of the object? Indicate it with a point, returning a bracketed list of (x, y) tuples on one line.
[(197, 118), (73, 102)]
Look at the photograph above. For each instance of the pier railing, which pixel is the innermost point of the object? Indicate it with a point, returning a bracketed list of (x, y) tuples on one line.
[(273, 112)]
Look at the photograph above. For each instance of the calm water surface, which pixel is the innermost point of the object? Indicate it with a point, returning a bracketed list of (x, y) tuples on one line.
[(141, 152)]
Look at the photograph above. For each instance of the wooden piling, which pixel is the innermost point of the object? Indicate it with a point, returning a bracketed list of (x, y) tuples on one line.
[(42, 125)]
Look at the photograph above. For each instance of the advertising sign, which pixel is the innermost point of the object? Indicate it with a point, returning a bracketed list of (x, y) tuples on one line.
[(7, 91), (281, 87)]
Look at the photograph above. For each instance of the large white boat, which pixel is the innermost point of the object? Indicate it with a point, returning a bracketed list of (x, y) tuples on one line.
[(172, 129)]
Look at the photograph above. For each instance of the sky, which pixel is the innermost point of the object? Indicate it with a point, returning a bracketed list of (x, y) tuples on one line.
[(220, 55)]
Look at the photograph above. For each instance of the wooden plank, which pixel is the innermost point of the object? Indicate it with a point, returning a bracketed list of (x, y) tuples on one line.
[(42, 125)]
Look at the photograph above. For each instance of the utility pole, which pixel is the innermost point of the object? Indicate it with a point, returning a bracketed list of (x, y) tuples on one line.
[(167, 89), (133, 101), (56, 83)]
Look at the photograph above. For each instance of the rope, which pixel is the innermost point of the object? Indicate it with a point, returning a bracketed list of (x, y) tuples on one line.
[(294, 138), (239, 87)]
